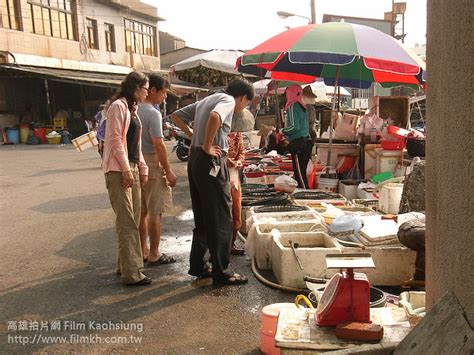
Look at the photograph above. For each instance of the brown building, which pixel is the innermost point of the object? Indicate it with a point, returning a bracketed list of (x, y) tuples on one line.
[(71, 54)]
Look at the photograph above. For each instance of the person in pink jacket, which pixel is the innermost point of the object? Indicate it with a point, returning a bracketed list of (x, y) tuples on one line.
[(125, 170)]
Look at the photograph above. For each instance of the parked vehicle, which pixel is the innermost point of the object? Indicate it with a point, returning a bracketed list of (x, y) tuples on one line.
[(169, 130), (182, 145)]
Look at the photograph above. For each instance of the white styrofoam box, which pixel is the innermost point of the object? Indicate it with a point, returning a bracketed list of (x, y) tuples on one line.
[(255, 180), (270, 178), (337, 150), (348, 188), (387, 160), (270, 217), (366, 194), (393, 264), (264, 238), (311, 251)]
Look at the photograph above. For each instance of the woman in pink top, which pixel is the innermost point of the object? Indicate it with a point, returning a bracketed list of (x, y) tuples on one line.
[(125, 169)]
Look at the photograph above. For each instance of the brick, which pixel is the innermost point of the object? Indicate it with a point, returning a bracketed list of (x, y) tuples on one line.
[(359, 331)]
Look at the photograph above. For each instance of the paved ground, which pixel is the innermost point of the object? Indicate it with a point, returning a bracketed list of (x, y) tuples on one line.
[(57, 256)]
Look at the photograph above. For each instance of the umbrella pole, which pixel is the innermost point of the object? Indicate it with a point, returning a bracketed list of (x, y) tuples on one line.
[(331, 122)]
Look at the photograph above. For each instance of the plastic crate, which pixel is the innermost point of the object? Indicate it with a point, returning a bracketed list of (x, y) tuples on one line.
[(392, 145), (397, 132), (317, 195), (287, 208)]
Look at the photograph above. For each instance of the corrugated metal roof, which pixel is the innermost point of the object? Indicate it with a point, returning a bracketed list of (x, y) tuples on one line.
[(67, 75), (86, 77)]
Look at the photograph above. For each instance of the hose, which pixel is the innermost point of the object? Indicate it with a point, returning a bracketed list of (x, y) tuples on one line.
[(269, 283), (274, 285)]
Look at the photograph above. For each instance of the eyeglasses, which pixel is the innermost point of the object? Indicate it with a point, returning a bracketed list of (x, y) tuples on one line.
[(146, 88)]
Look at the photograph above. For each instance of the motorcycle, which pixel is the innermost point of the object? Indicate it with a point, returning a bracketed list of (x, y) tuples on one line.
[(182, 145), (169, 131)]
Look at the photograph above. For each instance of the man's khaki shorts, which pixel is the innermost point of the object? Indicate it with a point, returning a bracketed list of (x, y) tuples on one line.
[(156, 195)]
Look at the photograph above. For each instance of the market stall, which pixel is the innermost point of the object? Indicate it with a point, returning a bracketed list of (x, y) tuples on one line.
[(359, 228)]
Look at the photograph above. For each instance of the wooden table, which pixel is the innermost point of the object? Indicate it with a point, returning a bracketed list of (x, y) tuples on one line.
[(297, 332)]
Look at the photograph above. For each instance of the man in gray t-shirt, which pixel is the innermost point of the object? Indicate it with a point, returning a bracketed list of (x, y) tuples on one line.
[(156, 194), (209, 178), (152, 122)]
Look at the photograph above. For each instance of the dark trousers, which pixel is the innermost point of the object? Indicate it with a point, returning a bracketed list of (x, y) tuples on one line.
[(300, 150), (211, 204)]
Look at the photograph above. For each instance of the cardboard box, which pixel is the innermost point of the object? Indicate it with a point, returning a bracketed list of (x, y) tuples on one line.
[(395, 107), (370, 160), (85, 141)]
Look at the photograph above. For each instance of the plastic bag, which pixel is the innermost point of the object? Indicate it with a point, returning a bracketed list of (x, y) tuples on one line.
[(286, 180), (345, 127), (346, 223), (331, 211), (354, 173), (284, 183)]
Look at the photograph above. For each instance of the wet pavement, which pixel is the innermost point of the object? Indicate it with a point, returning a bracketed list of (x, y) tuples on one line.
[(57, 255)]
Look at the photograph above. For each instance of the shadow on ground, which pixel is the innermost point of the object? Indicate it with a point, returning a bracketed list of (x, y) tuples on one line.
[(74, 204)]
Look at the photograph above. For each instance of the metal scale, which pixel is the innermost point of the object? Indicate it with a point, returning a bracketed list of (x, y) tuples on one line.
[(346, 297)]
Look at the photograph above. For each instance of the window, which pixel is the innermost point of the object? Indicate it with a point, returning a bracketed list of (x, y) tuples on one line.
[(140, 38), (10, 14), (361, 93), (109, 37), (92, 36), (52, 18)]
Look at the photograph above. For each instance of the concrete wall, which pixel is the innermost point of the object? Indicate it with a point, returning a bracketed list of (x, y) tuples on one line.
[(450, 167), (170, 43), (26, 42)]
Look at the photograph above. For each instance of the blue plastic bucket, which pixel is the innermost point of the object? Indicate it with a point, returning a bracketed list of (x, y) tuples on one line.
[(13, 135)]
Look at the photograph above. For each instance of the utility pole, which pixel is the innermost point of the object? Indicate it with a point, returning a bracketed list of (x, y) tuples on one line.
[(313, 11)]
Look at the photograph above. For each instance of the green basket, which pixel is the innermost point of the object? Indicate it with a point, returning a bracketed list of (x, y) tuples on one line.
[(377, 179)]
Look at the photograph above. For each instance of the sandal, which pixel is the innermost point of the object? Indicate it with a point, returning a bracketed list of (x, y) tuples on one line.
[(162, 260), (232, 280), (206, 272)]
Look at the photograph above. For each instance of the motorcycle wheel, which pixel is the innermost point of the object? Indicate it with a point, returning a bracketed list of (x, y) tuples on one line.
[(182, 153)]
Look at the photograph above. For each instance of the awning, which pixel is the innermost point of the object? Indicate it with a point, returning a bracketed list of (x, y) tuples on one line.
[(65, 75), (84, 77)]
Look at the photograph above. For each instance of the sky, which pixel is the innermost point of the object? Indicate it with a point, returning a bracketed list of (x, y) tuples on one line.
[(243, 24)]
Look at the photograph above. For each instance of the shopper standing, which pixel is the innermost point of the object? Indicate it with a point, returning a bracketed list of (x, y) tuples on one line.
[(125, 170), (156, 194), (297, 131), (209, 178)]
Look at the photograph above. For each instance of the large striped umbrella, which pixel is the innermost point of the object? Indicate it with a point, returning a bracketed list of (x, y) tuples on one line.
[(360, 55), (343, 54)]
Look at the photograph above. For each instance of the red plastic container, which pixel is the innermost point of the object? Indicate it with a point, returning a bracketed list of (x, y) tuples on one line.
[(286, 165), (392, 145), (398, 132), (41, 134), (254, 174)]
